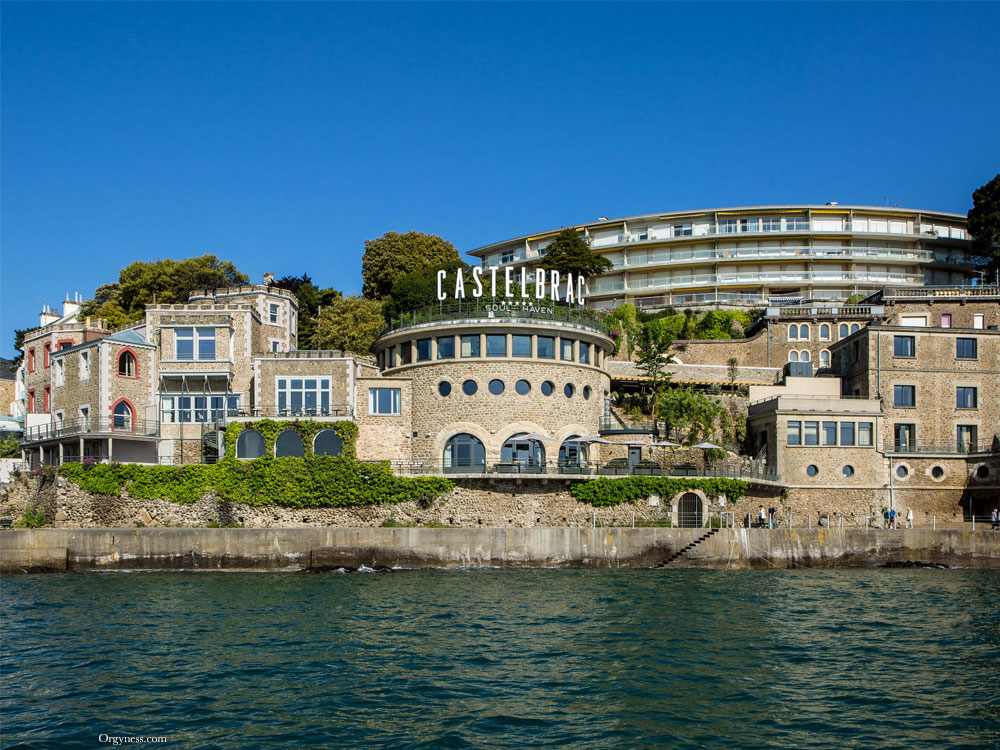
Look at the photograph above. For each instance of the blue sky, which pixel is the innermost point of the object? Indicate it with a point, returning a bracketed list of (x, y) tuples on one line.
[(281, 136)]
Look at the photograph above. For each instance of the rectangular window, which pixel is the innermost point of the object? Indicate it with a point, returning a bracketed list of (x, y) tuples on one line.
[(749, 225), (978, 320), (847, 433), (275, 346), (797, 224), (507, 256), (470, 346), (795, 433), (904, 346), (303, 396), (194, 343), (273, 314), (865, 433), (727, 226), (84, 368), (546, 347), (683, 230), (31, 402), (65, 345), (423, 350), (198, 408), (383, 401), (584, 353), (46, 351), (392, 356), (446, 347), (946, 320), (31, 360), (904, 436), (566, 349), (966, 397), (966, 349), (496, 345), (520, 346), (904, 395), (811, 433), (967, 436), (404, 353), (829, 433), (58, 372), (771, 225), (47, 392)]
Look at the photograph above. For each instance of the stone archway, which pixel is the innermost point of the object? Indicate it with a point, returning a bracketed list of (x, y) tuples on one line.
[(689, 509)]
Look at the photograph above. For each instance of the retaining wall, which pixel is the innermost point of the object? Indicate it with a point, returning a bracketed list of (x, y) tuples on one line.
[(303, 549)]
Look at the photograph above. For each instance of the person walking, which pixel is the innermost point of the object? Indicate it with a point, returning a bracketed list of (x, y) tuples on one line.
[(909, 518), (885, 518), (761, 517), (995, 519), (892, 518), (771, 512)]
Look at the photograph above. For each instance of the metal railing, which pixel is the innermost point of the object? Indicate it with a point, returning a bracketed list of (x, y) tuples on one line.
[(307, 412), (614, 468), (952, 448), (528, 309), (92, 426)]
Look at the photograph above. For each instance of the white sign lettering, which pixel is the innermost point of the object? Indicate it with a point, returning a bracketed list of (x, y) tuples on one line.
[(571, 291)]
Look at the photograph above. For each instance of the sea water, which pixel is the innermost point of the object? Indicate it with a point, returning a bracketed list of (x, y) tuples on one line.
[(503, 659)]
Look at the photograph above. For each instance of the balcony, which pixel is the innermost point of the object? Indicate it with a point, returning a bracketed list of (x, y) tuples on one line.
[(93, 427), (332, 414), (515, 310), (955, 448)]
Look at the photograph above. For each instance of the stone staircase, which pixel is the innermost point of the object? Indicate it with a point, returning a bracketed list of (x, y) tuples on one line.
[(687, 548)]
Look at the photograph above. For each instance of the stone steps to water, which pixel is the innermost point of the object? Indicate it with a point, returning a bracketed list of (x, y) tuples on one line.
[(686, 548)]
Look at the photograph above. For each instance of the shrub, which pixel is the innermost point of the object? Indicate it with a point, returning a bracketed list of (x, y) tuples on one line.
[(32, 519), (605, 491)]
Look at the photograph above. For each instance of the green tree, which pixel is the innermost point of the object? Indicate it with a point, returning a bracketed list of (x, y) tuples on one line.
[(350, 324), (393, 255), (171, 281), (18, 343), (689, 416), (418, 289), (984, 222), (734, 370), (311, 300), (569, 252), (9, 447), (623, 325), (653, 355)]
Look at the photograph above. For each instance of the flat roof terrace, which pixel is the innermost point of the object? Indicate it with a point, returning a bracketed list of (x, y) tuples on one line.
[(515, 310)]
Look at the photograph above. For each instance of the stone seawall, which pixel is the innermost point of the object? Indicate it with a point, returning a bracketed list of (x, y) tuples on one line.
[(318, 549)]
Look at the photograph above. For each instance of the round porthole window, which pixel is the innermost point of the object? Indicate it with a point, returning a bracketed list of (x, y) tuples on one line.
[(444, 388), (902, 472), (469, 387), (523, 387), (812, 470), (982, 472), (547, 388), (848, 471), (937, 472), (569, 390), (586, 392), (496, 387)]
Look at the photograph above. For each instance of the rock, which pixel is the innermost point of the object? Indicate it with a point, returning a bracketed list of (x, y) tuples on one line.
[(146, 518), (61, 516)]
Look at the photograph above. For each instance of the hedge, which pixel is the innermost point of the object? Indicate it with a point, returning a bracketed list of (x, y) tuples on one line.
[(605, 491)]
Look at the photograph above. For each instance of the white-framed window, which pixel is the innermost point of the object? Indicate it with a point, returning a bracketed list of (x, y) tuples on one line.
[(83, 412), (194, 343), (58, 372), (275, 345), (771, 225), (60, 418), (383, 401), (303, 396), (824, 331), (507, 256), (197, 407), (84, 366), (728, 226), (978, 320), (273, 313), (683, 230)]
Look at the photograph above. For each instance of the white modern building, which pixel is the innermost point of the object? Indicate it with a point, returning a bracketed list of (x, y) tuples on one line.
[(758, 254)]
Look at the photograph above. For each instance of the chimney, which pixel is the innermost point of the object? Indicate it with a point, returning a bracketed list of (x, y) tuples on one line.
[(268, 278), (71, 306), (47, 316)]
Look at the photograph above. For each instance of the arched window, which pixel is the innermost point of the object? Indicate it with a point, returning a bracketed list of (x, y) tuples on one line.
[(122, 416), (843, 330), (824, 331), (464, 452), (289, 443), (855, 327), (524, 451), (804, 332), (127, 365), (793, 332), (824, 358), (803, 356), (327, 443), (793, 356), (250, 444), (571, 453)]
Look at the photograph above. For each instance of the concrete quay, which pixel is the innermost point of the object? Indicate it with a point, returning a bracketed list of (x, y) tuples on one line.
[(320, 549)]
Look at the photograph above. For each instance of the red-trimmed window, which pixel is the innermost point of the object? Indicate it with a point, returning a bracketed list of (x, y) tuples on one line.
[(64, 344), (31, 401), (31, 360), (47, 350), (48, 398), (123, 416), (128, 364)]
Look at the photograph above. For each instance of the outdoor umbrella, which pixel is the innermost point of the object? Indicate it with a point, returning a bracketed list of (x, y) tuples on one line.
[(665, 444), (709, 446), (536, 436), (591, 439)]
